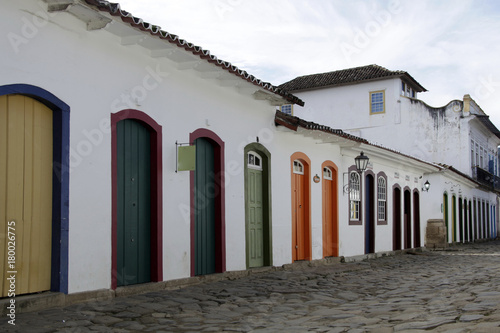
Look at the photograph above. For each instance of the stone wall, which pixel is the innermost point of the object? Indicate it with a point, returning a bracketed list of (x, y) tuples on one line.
[(435, 236)]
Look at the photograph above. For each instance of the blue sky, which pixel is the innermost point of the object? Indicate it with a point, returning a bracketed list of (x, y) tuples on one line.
[(451, 47)]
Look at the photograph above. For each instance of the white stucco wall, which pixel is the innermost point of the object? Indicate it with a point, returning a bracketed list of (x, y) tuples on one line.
[(96, 75)]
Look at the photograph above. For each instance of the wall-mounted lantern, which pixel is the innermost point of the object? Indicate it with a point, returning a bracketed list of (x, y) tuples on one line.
[(426, 187)]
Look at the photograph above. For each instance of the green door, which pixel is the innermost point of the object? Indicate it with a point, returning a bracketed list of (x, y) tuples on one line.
[(134, 203), (255, 218), (205, 194)]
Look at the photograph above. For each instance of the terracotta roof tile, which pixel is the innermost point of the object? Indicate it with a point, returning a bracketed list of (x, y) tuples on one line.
[(348, 76), (293, 123), (115, 10)]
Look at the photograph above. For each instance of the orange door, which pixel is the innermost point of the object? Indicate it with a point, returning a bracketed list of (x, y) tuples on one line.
[(330, 236), (301, 243)]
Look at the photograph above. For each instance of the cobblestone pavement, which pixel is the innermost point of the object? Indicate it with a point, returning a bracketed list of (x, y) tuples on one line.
[(457, 290)]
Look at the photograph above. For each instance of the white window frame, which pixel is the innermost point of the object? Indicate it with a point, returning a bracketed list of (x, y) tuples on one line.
[(327, 173), (382, 198), (354, 196), (252, 158), (298, 167)]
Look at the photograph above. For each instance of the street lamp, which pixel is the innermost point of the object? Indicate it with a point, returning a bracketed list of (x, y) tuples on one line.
[(361, 162)]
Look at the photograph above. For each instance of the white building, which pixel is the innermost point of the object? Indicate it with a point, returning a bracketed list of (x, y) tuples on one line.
[(382, 106), (99, 114)]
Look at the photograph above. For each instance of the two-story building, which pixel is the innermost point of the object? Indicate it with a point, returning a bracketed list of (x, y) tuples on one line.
[(381, 105)]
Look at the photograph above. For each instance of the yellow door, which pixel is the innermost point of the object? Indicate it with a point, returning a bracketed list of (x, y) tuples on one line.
[(25, 194)]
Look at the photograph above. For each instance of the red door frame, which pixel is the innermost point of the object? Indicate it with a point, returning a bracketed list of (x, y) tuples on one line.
[(156, 193), (220, 201)]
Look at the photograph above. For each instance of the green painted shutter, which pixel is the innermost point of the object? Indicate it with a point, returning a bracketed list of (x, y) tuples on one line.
[(205, 194), (134, 203)]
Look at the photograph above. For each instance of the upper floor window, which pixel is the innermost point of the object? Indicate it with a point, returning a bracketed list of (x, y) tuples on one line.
[(381, 198), (298, 167), (354, 195), (287, 108), (377, 102), (254, 161)]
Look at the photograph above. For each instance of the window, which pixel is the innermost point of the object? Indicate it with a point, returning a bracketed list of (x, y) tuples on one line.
[(477, 155), (377, 102), (381, 198), (327, 173), (472, 154), (481, 159), (354, 196), (287, 108), (298, 167), (254, 161)]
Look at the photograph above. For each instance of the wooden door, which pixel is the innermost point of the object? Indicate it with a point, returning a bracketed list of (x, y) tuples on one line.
[(369, 215), (300, 225), (255, 218), (204, 208), (134, 203), (407, 219), (330, 228), (396, 233), (26, 144)]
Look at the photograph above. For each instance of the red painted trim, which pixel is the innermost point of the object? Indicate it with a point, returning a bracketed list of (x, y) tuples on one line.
[(396, 217), (156, 192), (220, 200), (407, 230)]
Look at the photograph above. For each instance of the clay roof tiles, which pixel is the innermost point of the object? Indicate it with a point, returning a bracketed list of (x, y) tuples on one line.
[(347, 76), (154, 30)]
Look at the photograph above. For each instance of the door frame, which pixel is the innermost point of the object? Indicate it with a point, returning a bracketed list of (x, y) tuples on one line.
[(370, 212), (220, 201), (266, 201), (407, 223), (416, 219), (396, 217), (156, 192), (335, 171), (307, 188), (60, 179)]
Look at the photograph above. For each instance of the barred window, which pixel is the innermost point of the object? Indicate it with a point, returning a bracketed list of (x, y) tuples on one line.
[(382, 198), (354, 195)]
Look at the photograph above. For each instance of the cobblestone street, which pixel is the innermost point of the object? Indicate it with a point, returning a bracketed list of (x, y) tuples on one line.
[(457, 290)]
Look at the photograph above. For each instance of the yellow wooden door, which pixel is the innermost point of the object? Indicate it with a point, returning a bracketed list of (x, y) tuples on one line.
[(25, 194)]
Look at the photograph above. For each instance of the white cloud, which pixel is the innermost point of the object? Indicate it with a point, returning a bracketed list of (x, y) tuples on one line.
[(451, 47)]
